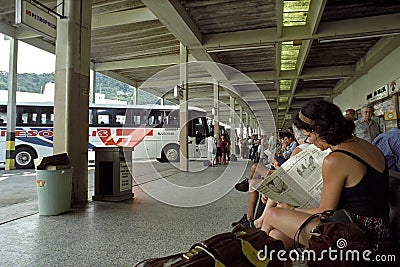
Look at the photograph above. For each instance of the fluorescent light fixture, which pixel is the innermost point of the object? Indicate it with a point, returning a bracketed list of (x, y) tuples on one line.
[(349, 38), (229, 49)]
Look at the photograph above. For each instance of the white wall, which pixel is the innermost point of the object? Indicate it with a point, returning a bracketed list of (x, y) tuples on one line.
[(383, 73)]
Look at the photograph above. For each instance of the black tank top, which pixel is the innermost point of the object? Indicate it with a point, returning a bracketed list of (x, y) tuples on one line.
[(370, 196)]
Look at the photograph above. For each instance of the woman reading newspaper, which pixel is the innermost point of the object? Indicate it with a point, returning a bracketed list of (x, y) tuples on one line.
[(355, 177)]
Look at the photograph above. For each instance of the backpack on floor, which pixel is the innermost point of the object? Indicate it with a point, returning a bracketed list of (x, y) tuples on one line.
[(241, 247)]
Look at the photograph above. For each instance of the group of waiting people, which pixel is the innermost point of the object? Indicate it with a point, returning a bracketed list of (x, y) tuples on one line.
[(253, 147), (355, 174), (218, 149)]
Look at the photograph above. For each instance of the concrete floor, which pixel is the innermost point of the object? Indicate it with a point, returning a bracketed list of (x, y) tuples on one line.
[(121, 233)]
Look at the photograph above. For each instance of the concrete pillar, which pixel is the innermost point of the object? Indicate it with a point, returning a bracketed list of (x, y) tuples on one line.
[(247, 124), (216, 107), (11, 105), (233, 125), (183, 114), (240, 122), (71, 103), (135, 96), (92, 98), (251, 126)]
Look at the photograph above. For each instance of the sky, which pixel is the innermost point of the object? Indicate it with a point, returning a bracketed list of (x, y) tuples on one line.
[(30, 58)]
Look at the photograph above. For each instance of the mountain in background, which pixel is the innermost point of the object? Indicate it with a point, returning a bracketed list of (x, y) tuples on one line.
[(113, 89)]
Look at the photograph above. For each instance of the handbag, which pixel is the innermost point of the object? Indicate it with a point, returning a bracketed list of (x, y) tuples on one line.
[(241, 247), (337, 241)]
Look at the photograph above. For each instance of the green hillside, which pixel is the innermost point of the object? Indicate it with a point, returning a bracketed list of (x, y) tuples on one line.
[(113, 89)]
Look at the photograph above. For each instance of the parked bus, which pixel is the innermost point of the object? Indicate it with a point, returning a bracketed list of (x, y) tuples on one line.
[(152, 130)]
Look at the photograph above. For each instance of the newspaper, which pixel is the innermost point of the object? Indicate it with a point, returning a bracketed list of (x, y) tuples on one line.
[(298, 181)]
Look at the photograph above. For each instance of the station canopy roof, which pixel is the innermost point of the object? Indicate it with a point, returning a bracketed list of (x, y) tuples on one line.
[(272, 56)]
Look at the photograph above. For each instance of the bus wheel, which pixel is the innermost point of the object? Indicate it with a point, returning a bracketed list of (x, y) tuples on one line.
[(171, 153), (24, 158)]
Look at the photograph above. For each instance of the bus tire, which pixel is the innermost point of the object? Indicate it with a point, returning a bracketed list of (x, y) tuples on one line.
[(24, 158), (170, 153)]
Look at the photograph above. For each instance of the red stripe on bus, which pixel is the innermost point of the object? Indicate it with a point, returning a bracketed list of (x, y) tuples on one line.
[(136, 136)]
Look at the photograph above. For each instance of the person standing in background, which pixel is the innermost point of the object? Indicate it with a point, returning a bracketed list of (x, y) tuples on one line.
[(212, 149), (350, 114), (224, 149), (366, 127), (272, 142), (219, 151), (389, 144)]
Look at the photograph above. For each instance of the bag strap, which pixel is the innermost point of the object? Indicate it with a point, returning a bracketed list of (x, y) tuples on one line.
[(256, 258), (321, 215), (196, 249), (217, 262)]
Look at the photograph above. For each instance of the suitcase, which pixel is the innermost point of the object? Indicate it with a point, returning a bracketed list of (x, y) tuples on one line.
[(240, 248)]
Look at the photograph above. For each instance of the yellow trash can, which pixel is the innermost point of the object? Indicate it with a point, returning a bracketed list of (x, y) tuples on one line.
[(54, 191)]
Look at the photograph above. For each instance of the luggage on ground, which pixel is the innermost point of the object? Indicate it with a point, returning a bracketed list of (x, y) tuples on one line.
[(240, 248)]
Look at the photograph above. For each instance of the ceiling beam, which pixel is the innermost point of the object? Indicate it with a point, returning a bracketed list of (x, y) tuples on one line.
[(344, 71), (173, 15), (384, 24), (119, 77), (377, 53), (163, 60), (8, 30), (122, 18), (278, 47), (320, 73)]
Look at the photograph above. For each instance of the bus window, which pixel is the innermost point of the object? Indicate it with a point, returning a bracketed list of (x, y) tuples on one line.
[(3, 115), (46, 119), (155, 119), (47, 116), (133, 117), (120, 117), (172, 120), (92, 116), (103, 117), (27, 116), (199, 130)]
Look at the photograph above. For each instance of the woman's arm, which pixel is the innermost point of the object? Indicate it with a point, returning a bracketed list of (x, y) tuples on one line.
[(296, 150)]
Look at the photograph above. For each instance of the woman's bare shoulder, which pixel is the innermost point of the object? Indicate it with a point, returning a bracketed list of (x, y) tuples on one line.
[(365, 151)]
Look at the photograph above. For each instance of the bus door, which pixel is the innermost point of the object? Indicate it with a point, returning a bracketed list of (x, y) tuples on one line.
[(197, 138)]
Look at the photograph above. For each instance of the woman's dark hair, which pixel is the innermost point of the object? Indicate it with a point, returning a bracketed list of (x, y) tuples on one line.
[(325, 119)]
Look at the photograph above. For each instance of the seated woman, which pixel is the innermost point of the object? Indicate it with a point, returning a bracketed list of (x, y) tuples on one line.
[(301, 139), (355, 177)]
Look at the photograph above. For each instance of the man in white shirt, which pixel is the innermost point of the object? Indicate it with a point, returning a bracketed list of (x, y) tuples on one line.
[(366, 127)]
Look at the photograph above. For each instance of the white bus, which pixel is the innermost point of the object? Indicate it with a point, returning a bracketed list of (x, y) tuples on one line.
[(152, 130)]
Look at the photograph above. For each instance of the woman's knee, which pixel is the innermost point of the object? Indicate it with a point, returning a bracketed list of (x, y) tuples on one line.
[(273, 214), (271, 218)]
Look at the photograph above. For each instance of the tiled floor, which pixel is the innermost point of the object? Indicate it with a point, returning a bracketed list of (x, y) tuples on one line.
[(123, 233)]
